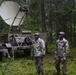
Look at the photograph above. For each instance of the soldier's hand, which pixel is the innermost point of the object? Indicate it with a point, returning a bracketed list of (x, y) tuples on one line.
[(64, 58), (65, 55), (55, 57)]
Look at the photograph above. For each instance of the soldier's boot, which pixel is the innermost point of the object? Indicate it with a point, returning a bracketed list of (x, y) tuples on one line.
[(64, 68), (42, 73), (57, 66), (58, 72), (64, 73), (38, 73)]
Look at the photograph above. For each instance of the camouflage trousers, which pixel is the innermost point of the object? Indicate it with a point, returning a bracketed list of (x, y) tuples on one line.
[(61, 61), (39, 64)]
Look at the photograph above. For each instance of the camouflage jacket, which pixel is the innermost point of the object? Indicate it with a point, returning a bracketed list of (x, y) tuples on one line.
[(38, 48), (62, 48)]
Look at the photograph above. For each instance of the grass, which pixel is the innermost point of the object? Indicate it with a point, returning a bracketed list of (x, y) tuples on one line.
[(25, 66)]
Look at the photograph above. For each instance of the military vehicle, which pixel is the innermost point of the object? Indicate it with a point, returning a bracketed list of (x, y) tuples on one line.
[(14, 14)]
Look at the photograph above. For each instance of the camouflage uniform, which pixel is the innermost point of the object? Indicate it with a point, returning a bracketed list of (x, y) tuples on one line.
[(38, 53), (62, 50)]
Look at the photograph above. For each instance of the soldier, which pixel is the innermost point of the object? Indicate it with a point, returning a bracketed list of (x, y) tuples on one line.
[(62, 50), (38, 53)]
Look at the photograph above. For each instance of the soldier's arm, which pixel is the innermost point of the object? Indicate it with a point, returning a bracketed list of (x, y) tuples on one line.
[(55, 57), (67, 47), (56, 47), (43, 46)]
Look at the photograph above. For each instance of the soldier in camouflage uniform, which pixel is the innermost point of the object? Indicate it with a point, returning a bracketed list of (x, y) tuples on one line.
[(38, 53), (62, 50)]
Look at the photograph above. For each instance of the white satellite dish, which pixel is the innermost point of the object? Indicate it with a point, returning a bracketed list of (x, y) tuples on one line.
[(10, 13)]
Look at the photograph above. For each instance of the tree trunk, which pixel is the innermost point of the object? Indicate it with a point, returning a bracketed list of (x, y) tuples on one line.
[(43, 23), (75, 4)]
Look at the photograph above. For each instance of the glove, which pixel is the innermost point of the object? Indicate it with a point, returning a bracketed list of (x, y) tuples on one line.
[(42, 55), (64, 58)]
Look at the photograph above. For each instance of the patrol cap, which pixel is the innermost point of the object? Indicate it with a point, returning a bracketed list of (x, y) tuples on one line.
[(36, 34), (61, 33)]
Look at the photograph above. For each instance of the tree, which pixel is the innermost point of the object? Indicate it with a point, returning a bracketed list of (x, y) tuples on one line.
[(43, 17)]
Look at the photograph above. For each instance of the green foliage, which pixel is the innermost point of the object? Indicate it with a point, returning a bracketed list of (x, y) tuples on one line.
[(29, 24), (5, 30), (25, 66), (51, 48)]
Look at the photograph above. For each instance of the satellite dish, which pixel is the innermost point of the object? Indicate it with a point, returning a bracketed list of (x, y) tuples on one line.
[(11, 14)]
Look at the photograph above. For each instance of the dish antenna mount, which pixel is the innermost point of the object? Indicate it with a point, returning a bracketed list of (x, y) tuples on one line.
[(13, 14)]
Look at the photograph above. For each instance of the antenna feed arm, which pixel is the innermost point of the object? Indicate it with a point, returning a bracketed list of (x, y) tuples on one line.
[(23, 8)]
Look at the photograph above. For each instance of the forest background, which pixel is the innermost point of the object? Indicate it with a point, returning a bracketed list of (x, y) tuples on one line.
[(49, 16)]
